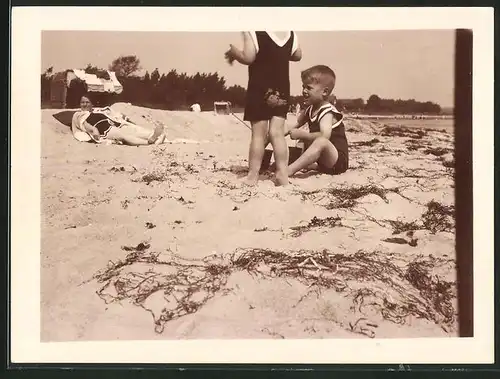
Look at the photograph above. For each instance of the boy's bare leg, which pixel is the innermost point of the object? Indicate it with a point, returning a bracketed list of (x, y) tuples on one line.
[(280, 149), (256, 153), (311, 167), (321, 150)]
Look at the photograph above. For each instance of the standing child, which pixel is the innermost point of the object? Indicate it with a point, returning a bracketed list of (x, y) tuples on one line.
[(268, 55), (325, 143)]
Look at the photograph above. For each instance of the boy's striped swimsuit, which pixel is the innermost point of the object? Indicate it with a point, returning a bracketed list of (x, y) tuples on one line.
[(337, 137)]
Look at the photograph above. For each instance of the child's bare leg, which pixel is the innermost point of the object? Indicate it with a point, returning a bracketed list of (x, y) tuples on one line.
[(140, 132), (124, 135), (280, 148), (134, 141), (256, 153), (321, 150)]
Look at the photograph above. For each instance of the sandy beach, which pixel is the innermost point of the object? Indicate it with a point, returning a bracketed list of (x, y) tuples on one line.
[(161, 242)]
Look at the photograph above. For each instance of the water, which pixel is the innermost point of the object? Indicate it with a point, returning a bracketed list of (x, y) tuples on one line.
[(431, 124)]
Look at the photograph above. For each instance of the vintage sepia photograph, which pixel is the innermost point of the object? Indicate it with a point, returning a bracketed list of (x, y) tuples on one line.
[(156, 222), (252, 185)]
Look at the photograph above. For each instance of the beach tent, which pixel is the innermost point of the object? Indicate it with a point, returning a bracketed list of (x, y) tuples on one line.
[(68, 86)]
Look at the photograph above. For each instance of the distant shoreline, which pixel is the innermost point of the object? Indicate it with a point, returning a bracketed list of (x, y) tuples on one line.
[(399, 117)]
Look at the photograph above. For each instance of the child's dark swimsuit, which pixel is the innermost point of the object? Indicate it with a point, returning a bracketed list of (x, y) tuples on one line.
[(337, 137), (102, 123), (268, 91)]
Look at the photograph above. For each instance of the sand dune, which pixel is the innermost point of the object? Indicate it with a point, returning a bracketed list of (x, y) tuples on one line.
[(390, 211)]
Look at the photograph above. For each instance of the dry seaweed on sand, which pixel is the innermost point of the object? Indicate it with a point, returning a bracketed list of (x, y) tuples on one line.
[(400, 131), (167, 172), (371, 142), (415, 144), (449, 164), (186, 285), (399, 226), (437, 151), (397, 240), (413, 147), (347, 197), (184, 201), (328, 222), (339, 197), (190, 168), (156, 176), (402, 241), (438, 217), (190, 283), (309, 195)]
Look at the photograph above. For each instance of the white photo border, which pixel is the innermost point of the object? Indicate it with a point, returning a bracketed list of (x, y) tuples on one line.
[(27, 25)]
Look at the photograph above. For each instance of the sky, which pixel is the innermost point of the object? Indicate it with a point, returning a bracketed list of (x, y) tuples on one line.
[(399, 64)]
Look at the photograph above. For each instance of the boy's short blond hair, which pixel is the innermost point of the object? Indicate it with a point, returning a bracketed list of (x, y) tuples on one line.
[(321, 74)]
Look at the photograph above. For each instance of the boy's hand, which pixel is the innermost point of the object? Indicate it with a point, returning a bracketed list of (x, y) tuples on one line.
[(297, 134)]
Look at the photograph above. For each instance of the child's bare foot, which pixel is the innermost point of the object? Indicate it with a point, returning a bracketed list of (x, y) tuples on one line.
[(282, 179), (156, 133), (250, 181)]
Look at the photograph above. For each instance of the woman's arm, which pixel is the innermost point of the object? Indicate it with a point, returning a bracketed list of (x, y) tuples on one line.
[(92, 131)]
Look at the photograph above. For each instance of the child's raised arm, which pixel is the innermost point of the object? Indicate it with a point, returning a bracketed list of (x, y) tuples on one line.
[(245, 56)]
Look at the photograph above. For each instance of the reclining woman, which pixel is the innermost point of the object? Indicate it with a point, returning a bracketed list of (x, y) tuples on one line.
[(104, 126)]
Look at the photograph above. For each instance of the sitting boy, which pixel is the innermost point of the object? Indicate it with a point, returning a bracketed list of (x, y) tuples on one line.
[(325, 144)]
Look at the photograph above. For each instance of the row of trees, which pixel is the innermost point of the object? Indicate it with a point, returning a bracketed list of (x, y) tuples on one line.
[(177, 91), (171, 91), (376, 105)]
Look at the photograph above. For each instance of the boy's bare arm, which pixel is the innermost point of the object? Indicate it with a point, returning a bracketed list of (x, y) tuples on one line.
[(325, 126), (301, 120)]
